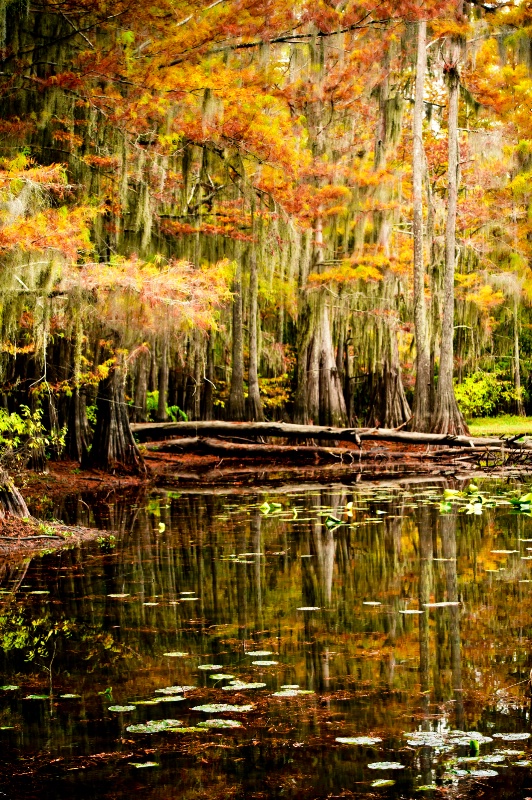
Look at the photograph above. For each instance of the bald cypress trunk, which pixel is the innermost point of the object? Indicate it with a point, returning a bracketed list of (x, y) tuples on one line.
[(254, 403), (421, 410), (236, 405), (11, 500), (447, 415), (113, 445)]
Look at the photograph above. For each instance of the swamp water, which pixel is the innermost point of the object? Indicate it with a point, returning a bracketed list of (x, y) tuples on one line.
[(305, 643)]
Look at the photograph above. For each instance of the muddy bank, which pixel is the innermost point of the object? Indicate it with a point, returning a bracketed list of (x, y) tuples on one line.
[(31, 536)]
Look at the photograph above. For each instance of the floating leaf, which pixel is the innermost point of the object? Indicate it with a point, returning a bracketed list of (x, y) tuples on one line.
[(411, 611), (37, 697), (443, 604), (386, 765), (259, 653), (292, 692), (428, 787), (218, 708), (511, 737), (174, 689), (175, 655), (119, 596), (237, 686), (333, 522), (483, 773), (382, 782), (143, 764), (522, 764), (210, 666), (69, 696), (221, 677), (220, 723), (371, 603), (121, 709), (8, 688), (358, 739), (309, 608), (155, 726), (264, 663)]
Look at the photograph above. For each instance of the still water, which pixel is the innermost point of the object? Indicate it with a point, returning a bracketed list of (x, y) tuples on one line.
[(370, 641)]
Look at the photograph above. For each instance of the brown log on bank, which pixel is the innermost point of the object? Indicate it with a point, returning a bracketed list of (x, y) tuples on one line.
[(237, 449), (145, 431)]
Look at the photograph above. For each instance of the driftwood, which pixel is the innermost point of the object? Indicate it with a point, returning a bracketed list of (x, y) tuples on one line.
[(146, 431)]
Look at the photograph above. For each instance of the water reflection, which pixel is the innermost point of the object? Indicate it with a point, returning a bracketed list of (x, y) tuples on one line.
[(328, 582)]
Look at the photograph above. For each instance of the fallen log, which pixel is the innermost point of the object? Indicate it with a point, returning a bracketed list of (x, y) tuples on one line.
[(144, 431), (220, 447)]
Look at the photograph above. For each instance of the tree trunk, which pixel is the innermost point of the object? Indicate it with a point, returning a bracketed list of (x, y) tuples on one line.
[(208, 396), (520, 410), (254, 404), (113, 445), (139, 411), (236, 404), (162, 382), (388, 405), (11, 500), (78, 433), (421, 411), (447, 416)]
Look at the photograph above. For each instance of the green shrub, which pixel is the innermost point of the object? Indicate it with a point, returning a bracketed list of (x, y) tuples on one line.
[(485, 394), (175, 413)]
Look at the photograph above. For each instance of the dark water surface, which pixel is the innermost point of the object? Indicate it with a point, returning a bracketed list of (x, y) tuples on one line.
[(206, 580)]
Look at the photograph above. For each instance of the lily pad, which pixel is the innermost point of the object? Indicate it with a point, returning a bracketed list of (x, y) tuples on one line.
[(120, 709), (483, 773), (220, 677), (511, 737), (290, 686), (69, 696), (358, 739), (309, 608), (37, 697), (259, 653), (382, 782), (386, 765), (143, 764), (264, 663), (210, 666), (522, 764), (218, 708), (174, 689), (411, 611), (238, 686), (292, 692), (155, 726), (119, 595), (8, 688), (371, 603), (176, 654), (220, 723), (428, 787)]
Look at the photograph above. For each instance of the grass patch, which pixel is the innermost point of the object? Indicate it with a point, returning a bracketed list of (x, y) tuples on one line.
[(507, 425)]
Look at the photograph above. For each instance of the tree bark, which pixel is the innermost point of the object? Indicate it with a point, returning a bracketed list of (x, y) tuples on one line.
[(113, 445), (236, 404), (254, 404), (447, 416), (162, 382), (163, 430), (11, 500), (421, 411), (388, 405), (520, 409)]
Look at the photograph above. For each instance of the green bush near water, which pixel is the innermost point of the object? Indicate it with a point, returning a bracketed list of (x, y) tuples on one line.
[(486, 394)]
